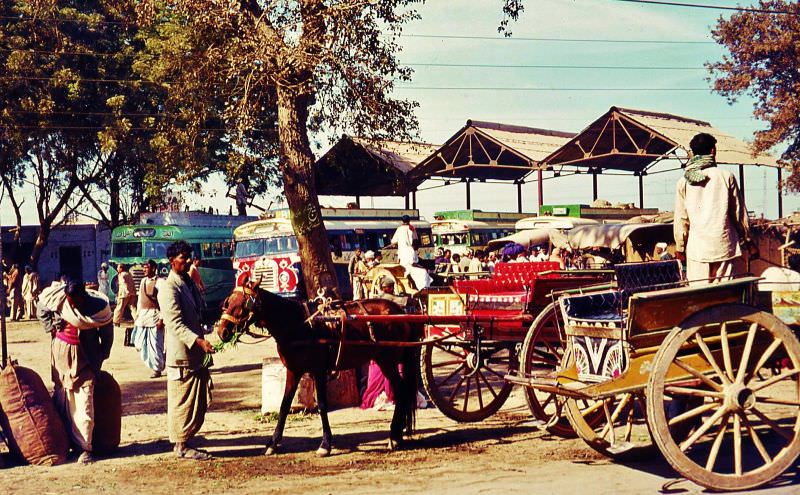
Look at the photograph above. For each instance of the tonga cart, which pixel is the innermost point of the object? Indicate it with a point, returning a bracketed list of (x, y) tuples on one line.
[(464, 375), (699, 373)]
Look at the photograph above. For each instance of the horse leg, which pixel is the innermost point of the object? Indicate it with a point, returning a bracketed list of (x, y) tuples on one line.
[(321, 382), (389, 369), (292, 380)]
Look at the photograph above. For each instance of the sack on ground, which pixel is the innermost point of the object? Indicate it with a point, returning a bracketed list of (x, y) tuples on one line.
[(29, 419), (107, 414)]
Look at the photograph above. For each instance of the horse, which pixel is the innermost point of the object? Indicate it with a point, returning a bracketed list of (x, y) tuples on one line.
[(308, 346)]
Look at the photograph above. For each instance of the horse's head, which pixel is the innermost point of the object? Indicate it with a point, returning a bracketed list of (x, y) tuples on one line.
[(239, 309)]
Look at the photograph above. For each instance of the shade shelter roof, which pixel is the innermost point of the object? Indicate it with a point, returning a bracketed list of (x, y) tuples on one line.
[(361, 167), (633, 140), (488, 150)]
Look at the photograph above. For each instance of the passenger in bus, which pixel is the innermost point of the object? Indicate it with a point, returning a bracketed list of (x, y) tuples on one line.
[(476, 264)]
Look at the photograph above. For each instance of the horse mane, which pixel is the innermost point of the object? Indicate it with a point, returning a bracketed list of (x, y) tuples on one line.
[(281, 313)]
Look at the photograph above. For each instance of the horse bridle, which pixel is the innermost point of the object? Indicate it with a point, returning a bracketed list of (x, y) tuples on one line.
[(251, 303)]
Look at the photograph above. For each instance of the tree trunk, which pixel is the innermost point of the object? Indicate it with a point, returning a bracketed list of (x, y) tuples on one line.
[(41, 241), (297, 162)]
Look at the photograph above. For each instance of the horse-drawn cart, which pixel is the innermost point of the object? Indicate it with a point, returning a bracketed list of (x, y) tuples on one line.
[(698, 372), (464, 374)]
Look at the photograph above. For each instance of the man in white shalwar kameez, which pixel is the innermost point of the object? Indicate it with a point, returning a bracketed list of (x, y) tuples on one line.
[(710, 216), (405, 238)]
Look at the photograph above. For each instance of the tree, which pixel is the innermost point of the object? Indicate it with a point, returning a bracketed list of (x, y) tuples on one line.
[(763, 61), (325, 66)]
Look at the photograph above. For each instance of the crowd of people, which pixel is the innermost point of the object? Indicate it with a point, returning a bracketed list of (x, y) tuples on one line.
[(22, 290)]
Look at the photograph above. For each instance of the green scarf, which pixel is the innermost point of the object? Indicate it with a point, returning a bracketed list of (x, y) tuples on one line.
[(697, 163)]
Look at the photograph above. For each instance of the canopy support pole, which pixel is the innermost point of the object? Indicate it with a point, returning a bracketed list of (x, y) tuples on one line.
[(469, 199), (594, 184), (780, 193), (741, 182), (414, 199), (540, 189), (408, 199), (519, 196), (641, 190), (358, 201)]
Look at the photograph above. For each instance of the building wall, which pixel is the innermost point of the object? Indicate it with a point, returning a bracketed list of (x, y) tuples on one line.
[(91, 242)]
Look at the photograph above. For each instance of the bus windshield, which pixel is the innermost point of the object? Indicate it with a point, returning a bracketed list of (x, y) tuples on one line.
[(126, 249), (246, 249), (453, 239), (283, 244), (156, 249)]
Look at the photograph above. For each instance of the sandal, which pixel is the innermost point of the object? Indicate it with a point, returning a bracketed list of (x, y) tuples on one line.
[(193, 454)]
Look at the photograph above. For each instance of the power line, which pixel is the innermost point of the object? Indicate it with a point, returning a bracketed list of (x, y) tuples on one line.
[(508, 88), (538, 66), (712, 7), (557, 40)]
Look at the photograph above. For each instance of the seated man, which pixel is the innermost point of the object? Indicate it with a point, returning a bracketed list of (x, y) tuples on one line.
[(387, 292)]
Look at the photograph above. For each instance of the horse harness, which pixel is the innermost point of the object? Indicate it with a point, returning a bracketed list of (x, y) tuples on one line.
[(336, 323)]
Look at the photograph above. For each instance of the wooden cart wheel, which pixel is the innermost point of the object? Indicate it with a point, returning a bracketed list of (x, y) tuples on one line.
[(464, 386), (615, 426), (542, 352), (747, 425)]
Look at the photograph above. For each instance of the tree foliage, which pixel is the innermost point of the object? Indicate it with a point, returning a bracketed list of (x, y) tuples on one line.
[(763, 60)]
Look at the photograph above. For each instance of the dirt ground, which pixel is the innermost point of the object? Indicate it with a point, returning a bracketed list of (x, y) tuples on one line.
[(503, 454)]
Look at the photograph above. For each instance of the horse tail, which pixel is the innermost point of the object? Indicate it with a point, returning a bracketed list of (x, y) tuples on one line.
[(410, 386)]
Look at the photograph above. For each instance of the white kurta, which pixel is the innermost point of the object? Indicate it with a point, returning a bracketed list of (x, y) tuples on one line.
[(710, 218), (404, 237)]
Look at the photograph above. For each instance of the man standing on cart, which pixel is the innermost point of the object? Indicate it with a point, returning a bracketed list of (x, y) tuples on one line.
[(710, 216)]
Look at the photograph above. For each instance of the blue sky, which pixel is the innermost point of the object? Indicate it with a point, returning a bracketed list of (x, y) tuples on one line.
[(443, 112)]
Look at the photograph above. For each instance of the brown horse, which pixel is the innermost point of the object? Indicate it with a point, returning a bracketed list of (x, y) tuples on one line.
[(302, 348)]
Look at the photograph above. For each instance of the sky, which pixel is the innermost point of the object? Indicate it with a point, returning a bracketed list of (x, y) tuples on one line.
[(442, 112)]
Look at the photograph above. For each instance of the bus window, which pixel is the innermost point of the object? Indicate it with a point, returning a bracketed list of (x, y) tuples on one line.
[(126, 249), (197, 250), (155, 249), (336, 247), (245, 249), (384, 239)]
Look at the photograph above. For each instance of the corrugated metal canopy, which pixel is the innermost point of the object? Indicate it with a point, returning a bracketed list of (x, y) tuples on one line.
[(632, 140), (361, 167), (487, 150)]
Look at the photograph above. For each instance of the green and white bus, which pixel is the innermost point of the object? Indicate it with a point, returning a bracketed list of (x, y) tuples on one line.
[(461, 230), (133, 245)]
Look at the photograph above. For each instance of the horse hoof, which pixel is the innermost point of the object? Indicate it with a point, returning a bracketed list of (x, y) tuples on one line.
[(393, 444), (271, 450), (323, 452)]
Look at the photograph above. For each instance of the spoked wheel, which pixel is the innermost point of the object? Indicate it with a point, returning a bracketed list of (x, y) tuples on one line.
[(542, 352), (467, 383), (615, 426), (742, 366)]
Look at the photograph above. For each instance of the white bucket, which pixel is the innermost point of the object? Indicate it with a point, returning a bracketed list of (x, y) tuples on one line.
[(273, 384)]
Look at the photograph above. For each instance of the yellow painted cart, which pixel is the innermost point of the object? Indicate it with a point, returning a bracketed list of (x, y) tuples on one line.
[(699, 373)]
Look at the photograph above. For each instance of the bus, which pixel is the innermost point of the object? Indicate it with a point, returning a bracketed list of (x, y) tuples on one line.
[(268, 248), (133, 245), (460, 230)]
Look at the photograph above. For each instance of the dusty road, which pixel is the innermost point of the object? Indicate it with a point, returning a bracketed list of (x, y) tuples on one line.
[(503, 454)]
